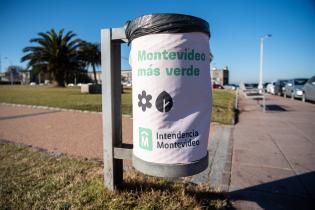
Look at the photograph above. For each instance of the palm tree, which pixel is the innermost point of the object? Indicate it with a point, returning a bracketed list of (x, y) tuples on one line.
[(90, 54), (55, 53)]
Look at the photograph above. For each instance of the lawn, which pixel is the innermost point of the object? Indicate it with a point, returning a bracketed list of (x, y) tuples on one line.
[(71, 98), (30, 179), (223, 110)]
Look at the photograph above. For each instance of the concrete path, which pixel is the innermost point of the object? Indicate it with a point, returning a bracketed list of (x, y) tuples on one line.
[(74, 133), (273, 164)]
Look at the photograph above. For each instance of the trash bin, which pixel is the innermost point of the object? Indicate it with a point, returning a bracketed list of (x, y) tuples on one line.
[(171, 94)]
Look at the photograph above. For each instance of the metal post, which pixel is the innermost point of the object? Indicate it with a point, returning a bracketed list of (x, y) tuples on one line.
[(260, 85), (264, 103), (111, 106)]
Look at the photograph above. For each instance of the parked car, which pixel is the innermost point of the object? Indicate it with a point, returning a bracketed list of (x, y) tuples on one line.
[(265, 86), (126, 83), (217, 86), (279, 87), (271, 87), (251, 85), (229, 87), (294, 88), (309, 89)]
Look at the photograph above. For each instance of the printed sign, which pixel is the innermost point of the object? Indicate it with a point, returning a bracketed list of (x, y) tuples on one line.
[(171, 97)]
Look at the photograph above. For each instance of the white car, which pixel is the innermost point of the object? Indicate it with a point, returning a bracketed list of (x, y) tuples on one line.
[(271, 87), (229, 87)]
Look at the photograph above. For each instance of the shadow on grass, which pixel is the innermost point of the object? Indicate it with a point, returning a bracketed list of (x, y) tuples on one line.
[(201, 194), (146, 186), (206, 197)]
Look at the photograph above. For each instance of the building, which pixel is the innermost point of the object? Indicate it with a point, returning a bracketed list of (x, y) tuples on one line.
[(17, 77), (220, 76), (98, 76), (2, 77), (25, 77), (126, 76)]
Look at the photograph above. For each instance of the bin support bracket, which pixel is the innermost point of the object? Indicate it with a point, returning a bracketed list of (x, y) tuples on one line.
[(113, 149)]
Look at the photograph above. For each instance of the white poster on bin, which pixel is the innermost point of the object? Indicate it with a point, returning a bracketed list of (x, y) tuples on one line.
[(171, 97)]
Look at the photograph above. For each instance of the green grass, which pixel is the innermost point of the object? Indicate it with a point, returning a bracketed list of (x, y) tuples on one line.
[(34, 180), (223, 110), (71, 98)]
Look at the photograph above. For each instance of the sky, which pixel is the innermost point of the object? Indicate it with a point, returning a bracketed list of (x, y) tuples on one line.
[(236, 27)]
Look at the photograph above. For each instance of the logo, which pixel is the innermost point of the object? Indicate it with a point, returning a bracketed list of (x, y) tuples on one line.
[(145, 139), (144, 101), (164, 102)]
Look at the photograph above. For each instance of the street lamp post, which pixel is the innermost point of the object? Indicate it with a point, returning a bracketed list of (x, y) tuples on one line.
[(260, 85)]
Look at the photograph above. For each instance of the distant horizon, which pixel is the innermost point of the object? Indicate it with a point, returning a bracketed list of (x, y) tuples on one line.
[(230, 82), (235, 82)]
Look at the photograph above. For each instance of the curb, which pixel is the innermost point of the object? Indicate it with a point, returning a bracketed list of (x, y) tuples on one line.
[(48, 108), (218, 174)]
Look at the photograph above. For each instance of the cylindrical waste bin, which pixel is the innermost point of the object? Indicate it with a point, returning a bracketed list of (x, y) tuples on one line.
[(171, 93)]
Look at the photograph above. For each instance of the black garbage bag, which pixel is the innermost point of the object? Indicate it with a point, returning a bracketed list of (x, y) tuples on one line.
[(164, 23)]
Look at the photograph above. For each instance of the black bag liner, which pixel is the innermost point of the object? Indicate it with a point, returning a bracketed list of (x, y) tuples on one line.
[(164, 23)]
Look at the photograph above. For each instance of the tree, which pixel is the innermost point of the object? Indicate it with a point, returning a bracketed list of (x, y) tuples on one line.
[(13, 73), (90, 54), (55, 53)]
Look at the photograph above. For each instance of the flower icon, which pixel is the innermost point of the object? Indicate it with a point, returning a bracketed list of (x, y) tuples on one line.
[(144, 100)]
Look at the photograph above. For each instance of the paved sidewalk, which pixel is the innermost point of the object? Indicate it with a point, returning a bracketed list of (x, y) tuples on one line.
[(74, 133), (273, 164)]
